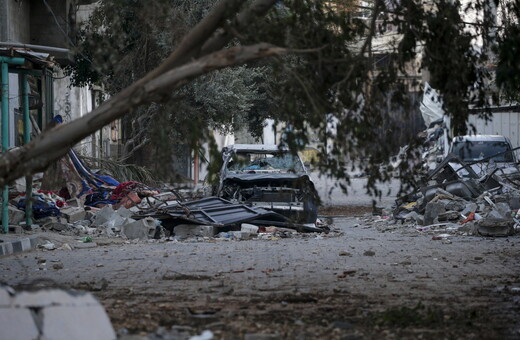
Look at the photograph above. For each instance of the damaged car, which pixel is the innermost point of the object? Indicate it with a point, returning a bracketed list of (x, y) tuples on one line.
[(485, 153), (269, 177)]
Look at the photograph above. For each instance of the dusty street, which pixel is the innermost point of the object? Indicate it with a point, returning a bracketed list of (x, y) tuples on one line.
[(358, 282)]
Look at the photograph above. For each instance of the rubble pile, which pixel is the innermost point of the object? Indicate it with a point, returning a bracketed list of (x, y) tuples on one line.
[(455, 199), (86, 204)]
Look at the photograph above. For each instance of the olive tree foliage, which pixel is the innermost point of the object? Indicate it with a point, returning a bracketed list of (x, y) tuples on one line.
[(125, 39), (321, 66)]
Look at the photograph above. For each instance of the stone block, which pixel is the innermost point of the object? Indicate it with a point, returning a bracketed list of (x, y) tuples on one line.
[(192, 230), (17, 323), (496, 227), (73, 214), (142, 229), (79, 323)]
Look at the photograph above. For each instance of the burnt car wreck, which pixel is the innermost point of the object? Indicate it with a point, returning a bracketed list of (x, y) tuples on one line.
[(265, 176)]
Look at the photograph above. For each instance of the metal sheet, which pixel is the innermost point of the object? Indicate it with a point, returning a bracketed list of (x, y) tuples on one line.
[(217, 211)]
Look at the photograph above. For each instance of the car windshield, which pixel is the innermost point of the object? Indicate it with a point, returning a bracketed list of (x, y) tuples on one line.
[(252, 162), (469, 151)]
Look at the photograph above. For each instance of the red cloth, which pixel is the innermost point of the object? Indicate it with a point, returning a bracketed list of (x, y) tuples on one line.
[(123, 189)]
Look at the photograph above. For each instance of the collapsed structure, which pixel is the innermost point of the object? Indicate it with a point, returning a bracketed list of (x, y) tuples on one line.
[(455, 196)]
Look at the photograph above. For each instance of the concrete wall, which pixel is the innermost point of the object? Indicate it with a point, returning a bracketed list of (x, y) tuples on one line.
[(14, 16)]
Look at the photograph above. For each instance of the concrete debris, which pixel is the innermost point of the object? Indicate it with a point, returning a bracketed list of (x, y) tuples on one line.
[(48, 246), (52, 314), (142, 229), (454, 198), (496, 227)]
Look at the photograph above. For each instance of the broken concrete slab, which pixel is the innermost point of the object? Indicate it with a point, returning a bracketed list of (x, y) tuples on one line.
[(54, 314), (496, 227)]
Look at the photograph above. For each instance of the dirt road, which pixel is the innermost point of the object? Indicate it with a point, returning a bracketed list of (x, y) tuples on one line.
[(358, 283)]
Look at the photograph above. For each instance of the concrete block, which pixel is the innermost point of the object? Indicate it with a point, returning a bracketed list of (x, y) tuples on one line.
[(79, 323), (496, 227), (53, 297), (193, 230), (142, 229), (73, 214), (17, 323)]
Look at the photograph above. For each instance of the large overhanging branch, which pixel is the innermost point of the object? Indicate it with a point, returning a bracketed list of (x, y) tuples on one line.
[(53, 144)]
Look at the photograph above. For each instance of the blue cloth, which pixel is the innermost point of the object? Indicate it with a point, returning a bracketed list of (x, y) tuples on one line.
[(41, 208)]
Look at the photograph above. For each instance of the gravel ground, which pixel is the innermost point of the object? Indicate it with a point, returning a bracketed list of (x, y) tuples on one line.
[(354, 283)]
